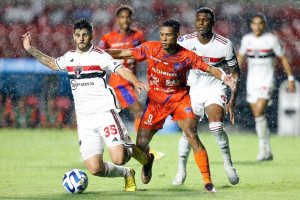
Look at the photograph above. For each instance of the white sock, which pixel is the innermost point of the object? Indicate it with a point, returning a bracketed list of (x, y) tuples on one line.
[(217, 129), (112, 170), (184, 149), (263, 134)]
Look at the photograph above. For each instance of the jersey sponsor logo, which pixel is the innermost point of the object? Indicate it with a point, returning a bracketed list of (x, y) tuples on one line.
[(171, 82), (188, 110), (74, 84), (163, 73), (77, 71), (194, 49), (115, 140), (181, 39), (71, 60)]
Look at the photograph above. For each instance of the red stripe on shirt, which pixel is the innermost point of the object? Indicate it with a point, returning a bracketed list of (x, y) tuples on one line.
[(220, 41), (85, 68), (260, 50)]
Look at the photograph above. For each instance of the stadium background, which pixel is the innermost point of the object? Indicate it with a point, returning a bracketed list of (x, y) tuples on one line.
[(32, 96)]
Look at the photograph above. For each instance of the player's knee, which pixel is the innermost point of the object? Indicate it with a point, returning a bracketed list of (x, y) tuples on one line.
[(119, 160), (216, 127), (97, 170)]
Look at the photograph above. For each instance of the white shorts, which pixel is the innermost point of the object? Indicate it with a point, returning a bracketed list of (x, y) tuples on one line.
[(200, 101), (255, 93), (95, 129)]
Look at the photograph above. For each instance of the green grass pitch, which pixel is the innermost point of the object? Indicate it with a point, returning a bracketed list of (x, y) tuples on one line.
[(33, 163)]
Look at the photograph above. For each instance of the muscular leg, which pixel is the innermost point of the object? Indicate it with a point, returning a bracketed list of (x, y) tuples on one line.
[(188, 125), (215, 114), (137, 110), (262, 129), (98, 167)]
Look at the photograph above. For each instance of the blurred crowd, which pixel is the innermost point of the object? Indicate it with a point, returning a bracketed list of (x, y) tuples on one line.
[(51, 28)]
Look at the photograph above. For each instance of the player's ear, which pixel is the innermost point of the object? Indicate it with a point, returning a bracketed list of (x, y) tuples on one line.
[(93, 35)]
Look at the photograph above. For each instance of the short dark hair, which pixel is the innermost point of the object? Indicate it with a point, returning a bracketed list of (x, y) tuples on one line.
[(172, 23), (207, 10), (125, 7), (83, 24), (260, 15)]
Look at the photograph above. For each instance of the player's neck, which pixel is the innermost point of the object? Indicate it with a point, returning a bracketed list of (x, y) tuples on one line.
[(124, 31), (171, 50), (205, 38), (82, 51)]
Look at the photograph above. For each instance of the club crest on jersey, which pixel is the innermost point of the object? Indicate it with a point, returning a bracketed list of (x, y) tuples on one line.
[(177, 66), (135, 42), (188, 110), (206, 60), (181, 39), (256, 53), (77, 71)]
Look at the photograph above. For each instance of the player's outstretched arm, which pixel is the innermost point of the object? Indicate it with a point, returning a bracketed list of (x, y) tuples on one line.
[(128, 75), (42, 58), (240, 59), (286, 65), (120, 53), (229, 108), (228, 80)]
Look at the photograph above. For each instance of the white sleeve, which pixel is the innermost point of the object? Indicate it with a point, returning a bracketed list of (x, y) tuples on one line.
[(111, 64), (230, 56), (61, 63), (243, 48), (182, 42), (278, 48)]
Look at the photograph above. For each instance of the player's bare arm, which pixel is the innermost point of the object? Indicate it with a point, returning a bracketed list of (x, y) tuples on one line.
[(229, 108), (120, 53), (287, 68), (240, 59), (128, 75), (219, 75), (42, 58)]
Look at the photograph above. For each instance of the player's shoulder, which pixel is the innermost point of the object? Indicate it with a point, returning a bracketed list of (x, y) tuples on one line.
[(270, 35), (221, 39), (137, 31), (187, 37), (110, 34), (96, 49), (70, 53)]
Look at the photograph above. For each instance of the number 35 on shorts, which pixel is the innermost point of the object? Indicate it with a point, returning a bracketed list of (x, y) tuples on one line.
[(110, 130)]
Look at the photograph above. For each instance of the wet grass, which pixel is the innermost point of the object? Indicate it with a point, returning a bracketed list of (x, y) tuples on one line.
[(33, 163)]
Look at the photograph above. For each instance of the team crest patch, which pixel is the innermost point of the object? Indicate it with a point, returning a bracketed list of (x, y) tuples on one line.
[(77, 71), (135, 42), (181, 39), (206, 60), (177, 66), (188, 110)]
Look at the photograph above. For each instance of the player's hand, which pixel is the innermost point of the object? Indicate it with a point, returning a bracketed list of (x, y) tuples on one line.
[(229, 109), (139, 85), (26, 41), (291, 86), (231, 82)]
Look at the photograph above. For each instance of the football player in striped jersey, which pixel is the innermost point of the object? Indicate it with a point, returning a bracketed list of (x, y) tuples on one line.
[(208, 94), (96, 104), (261, 48)]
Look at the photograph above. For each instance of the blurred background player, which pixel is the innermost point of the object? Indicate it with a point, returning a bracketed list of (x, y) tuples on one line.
[(123, 38), (208, 94), (261, 47), (95, 104), (168, 64)]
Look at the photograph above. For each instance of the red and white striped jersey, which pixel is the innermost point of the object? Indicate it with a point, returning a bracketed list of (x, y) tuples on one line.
[(87, 74), (219, 52), (261, 52)]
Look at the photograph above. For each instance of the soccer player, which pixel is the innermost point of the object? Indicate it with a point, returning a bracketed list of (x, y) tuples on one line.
[(123, 38), (168, 64), (208, 94), (95, 103), (261, 47)]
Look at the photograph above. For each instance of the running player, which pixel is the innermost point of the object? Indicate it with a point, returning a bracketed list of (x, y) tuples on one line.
[(168, 64), (208, 94), (261, 47), (123, 38), (95, 100)]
